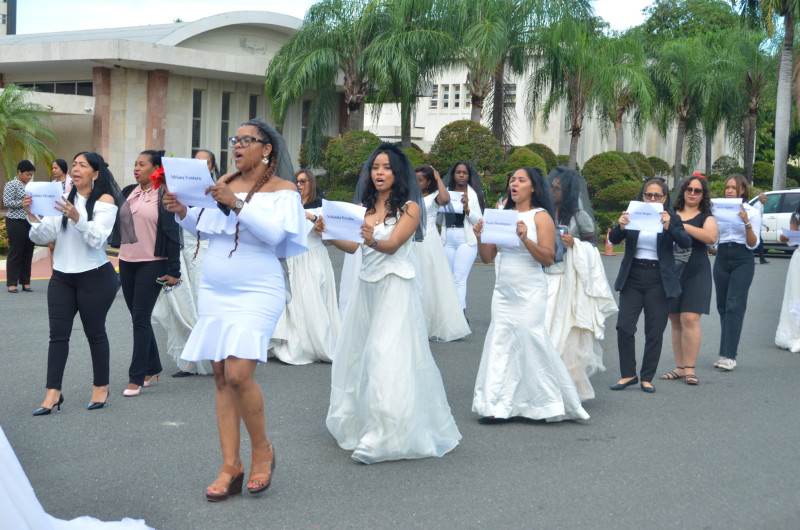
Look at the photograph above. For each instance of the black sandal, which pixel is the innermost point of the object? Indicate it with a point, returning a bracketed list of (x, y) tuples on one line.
[(691, 379), (672, 376)]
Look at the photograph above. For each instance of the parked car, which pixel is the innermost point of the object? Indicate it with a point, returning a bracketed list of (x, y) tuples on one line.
[(778, 209)]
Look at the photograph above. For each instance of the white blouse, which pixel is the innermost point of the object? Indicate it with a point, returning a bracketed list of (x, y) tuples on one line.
[(735, 232), (81, 246), (647, 246)]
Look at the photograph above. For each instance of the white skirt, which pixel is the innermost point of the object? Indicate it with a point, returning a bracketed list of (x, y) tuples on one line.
[(787, 335)]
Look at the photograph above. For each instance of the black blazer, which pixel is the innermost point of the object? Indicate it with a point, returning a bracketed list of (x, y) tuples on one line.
[(666, 259), (168, 235)]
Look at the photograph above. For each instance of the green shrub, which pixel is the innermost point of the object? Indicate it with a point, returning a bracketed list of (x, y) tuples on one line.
[(684, 170), (660, 167), (302, 158), (717, 188), (724, 164), (793, 173), (416, 157), (616, 196), (547, 154), (606, 220), (494, 186), (612, 185), (714, 177), (790, 183), (762, 174), (739, 170), (605, 169), (524, 157), (647, 171), (3, 236), (469, 141), (563, 160), (345, 156), (413, 146), (340, 190)]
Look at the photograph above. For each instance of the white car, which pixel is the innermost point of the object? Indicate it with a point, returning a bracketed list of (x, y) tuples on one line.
[(778, 210)]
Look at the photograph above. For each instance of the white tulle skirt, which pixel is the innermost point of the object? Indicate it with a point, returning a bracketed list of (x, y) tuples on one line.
[(521, 373), (308, 328), (787, 335), (19, 507), (387, 397), (445, 319)]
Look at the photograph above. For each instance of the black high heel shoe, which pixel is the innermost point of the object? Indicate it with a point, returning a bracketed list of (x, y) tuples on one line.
[(44, 411), (94, 405), (623, 386)]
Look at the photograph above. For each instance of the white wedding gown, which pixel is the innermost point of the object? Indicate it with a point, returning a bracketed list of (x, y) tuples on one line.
[(446, 321), (387, 397), (787, 335), (521, 373), (307, 330), (20, 509)]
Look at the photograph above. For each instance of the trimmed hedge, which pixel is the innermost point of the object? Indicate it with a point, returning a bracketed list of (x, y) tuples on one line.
[(563, 160), (645, 168), (344, 156), (660, 167), (612, 184), (762, 174), (547, 154), (416, 156), (469, 141), (302, 158), (724, 165), (524, 157)]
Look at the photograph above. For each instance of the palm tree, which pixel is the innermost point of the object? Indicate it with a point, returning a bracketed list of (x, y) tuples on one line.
[(627, 91), (22, 129), (331, 42), (765, 11), (684, 75)]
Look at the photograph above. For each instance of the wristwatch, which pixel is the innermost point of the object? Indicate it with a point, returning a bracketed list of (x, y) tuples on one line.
[(238, 205), (374, 244)]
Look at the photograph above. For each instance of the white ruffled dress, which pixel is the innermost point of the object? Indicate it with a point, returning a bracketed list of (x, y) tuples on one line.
[(242, 294), (521, 373), (308, 328), (387, 397), (446, 321), (787, 336)]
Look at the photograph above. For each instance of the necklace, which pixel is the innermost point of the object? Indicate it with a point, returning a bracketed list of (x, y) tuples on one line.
[(377, 217)]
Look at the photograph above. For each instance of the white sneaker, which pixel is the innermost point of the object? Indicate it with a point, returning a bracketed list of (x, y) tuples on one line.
[(727, 364), (718, 361)]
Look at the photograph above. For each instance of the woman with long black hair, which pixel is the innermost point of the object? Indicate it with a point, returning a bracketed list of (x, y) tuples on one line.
[(521, 373), (647, 280), (149, 257), (460, 244), (83, 281), (387, 397)]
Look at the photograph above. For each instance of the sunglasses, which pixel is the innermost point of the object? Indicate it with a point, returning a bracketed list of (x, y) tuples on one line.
[(694, 191), (653, 196)]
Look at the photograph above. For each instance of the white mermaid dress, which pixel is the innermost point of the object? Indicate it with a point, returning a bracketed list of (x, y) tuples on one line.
[(446, 321), (242, 294), (521, 373), (308, 328), (787, 336), (387, 397)]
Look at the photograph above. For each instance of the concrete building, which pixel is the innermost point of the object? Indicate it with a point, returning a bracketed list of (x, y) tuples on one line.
[(8, 17), (178, 87)]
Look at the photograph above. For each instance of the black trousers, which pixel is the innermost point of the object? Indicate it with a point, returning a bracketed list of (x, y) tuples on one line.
[(91, 294), (20, 252), (643, 290), (733, 274), (141, 291)]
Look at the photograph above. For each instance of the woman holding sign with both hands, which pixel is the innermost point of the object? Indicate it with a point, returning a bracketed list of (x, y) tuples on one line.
[(521, 373), (734, 268), (648, 280)]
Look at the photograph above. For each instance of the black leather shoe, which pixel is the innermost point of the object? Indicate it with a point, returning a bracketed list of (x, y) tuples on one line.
[(181, 373), (623, 386), (649, 389), (94, 405), (44, 411)]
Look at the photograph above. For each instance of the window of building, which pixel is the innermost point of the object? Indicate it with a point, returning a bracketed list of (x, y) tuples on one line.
[(197, 114), (79, 88), (467, 97), (435, 97), (511, 95), (253, 111), (304, 121), (225, 129), (445, 96), (3, 18), (456, 96)]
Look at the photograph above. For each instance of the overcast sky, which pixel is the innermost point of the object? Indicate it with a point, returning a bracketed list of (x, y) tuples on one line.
[(43, 16)]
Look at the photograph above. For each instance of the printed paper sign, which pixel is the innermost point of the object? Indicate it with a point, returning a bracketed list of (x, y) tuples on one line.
[(645, 216), (793, 235), (45, 195), (343, 220), (727, 211), (500, 227), (188, 179)]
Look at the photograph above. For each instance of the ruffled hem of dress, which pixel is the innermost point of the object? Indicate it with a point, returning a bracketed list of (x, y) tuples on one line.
[(216, 339)]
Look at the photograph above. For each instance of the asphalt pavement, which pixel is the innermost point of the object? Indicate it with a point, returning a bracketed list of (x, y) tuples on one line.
[(723, 454)]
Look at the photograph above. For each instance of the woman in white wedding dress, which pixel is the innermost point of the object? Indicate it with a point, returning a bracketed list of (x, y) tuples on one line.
[(521, 373), (308, 328), (387, 397), (579, 298), (787, 335), (446, 321)]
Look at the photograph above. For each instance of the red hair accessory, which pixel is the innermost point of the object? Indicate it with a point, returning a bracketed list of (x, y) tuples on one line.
[(695, 174), (157, 178)]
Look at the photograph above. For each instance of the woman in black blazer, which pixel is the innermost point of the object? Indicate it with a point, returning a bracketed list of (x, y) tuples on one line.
[(647, 280)]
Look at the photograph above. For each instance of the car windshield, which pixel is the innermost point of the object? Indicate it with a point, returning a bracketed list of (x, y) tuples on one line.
[(789, 203)]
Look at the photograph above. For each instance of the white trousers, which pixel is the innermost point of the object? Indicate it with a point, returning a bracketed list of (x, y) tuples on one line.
[(460, 256)]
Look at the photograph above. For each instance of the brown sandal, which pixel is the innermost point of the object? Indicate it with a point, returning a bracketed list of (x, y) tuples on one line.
[(671, 376), (260, 482), (224, 488)]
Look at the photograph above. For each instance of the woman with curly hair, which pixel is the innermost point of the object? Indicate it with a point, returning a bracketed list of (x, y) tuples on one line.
[(693, 206), (387, 397), (242, 293)]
